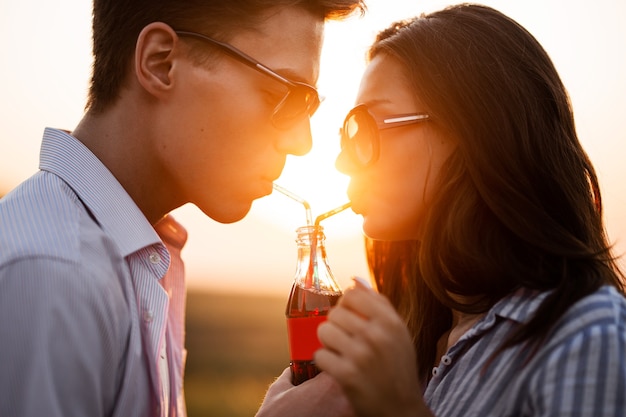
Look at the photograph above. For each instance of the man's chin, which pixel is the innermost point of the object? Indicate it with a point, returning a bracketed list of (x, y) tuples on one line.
[(228, 215)]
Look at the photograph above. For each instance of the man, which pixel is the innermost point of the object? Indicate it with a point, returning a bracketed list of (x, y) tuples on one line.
[(190, 101)]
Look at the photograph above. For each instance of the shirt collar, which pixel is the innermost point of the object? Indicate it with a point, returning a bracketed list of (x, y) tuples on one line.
[(519, 306), (109, 203), (171, 232)]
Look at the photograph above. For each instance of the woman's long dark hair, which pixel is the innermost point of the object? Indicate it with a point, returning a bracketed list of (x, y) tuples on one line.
[(518, 203)]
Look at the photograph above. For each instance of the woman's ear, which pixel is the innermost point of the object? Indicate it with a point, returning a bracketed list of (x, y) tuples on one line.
[(154, 58)]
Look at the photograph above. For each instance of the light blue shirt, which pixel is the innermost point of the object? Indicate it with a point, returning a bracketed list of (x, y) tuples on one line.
[(82, 311), (580, 370)]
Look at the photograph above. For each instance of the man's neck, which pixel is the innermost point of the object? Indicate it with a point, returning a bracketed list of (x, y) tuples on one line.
[(119, 139)]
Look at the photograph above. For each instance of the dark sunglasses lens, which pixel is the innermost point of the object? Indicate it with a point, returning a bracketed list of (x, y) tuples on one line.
[(299, 101), (359, 132)]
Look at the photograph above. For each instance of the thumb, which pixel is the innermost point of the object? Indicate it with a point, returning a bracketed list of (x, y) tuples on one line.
[(282, 383)]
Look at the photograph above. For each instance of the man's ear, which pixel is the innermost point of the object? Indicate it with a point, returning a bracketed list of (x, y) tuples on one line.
[(154, 57)]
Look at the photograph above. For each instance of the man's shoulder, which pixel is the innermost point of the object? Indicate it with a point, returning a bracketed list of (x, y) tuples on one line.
[(42, 216)]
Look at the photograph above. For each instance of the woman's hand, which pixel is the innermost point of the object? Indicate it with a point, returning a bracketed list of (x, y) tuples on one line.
[(368, 350), (319, 396)]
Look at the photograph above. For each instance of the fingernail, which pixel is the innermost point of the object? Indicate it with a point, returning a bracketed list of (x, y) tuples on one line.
[(362, 282)]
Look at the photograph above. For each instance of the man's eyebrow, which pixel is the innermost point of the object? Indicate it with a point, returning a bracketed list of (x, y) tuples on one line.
[(291, 75)]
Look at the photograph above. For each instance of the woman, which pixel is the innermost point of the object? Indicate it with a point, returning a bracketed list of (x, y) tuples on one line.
[(499, 295)]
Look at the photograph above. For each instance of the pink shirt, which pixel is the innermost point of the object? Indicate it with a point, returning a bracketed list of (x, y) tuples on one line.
[(174, 237)]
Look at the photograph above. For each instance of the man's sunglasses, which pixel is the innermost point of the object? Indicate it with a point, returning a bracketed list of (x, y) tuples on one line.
[(301, 99), (360, 134)]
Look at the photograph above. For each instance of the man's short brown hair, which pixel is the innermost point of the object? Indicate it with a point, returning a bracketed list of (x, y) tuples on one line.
[(117, 24)]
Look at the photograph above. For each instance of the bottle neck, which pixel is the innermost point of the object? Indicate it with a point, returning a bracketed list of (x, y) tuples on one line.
[(312, 270)]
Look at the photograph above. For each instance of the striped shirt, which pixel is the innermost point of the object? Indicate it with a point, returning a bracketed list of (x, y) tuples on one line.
[(90, 293), (580, 370)]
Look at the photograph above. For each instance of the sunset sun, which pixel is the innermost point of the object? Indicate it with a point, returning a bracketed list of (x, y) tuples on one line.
[(314, 177)]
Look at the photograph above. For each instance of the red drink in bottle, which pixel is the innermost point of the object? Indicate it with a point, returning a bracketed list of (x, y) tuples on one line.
[(313, 293)]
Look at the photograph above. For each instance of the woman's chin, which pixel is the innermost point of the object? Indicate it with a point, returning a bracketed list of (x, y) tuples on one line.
[(387, 228)]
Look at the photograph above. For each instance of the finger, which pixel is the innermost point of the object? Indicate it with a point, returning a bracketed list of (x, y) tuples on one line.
[(284, 377), (358, 281), (373, 330), (345, 371), (365, 302), (335, 402), (358, 349), (334, 364), (347, 319), (333, 337), (281, 384)]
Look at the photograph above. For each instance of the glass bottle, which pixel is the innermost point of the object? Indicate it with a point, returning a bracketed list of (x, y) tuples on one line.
[(313, 293)]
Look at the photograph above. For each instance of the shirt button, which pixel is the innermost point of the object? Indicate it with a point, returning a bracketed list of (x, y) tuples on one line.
[(447, 360), (148, 316), (155, 258), (435, 371)]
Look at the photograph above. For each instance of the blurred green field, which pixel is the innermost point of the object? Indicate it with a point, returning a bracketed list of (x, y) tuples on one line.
[(237, 345)]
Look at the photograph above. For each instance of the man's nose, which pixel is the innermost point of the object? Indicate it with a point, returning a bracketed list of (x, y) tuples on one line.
[(297, 140)]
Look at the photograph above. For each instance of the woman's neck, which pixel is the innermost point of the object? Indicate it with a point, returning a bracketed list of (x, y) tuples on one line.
[(461, 323)]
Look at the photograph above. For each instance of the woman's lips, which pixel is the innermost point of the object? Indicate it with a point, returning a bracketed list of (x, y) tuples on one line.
[(355, 195)]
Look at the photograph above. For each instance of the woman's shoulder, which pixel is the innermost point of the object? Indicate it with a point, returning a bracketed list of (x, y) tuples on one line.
[(602, 312), (581, 367), (605, 304)]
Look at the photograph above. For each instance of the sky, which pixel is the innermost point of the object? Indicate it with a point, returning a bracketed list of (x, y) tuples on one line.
[(45, 49)]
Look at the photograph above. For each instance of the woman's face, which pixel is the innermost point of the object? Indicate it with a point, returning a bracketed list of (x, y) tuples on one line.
[(391, 194)]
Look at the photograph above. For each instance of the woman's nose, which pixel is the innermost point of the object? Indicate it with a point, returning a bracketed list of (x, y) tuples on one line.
[(343, 163)]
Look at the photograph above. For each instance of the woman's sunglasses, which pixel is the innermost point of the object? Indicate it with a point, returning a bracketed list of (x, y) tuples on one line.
[(360, 134)]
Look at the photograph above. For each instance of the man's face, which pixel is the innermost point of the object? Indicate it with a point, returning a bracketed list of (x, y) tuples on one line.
[(217, 145)]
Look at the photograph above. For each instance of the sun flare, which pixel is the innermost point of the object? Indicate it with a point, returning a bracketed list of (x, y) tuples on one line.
[(313, 177)]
